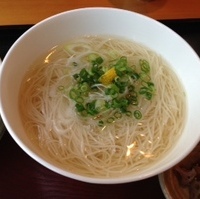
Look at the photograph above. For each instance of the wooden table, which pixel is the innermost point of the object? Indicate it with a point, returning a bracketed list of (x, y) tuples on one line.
[(21, 176), (20, 12)]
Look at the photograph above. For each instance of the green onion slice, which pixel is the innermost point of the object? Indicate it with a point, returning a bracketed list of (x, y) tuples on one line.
[(137, 114), (120, 96)]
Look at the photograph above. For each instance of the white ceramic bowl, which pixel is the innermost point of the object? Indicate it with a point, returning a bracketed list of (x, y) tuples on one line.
[(2, 128), (57, 29)]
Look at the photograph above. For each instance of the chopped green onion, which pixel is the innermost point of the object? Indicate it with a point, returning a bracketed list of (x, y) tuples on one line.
[(143, 90), (128, 113), (98, 61), (132, 98), (145, 77), (110, 120), (108, 104), (80, 107), (100, 105), (117, 115), (135, 76), (123, 109), (100, 123), (92, 57), (84, 113), (74, 63), (151, 86), (79, 100), (147, 90), (144, 65), (148, 95), (76, 76), (84, 74), (137, 114), (84, 87), (121, 66), (73, 94), (91, 108), (131, 88), (95, 59), (61, 88), (113, 91), (115, 103), (124, 102), (118, 95), (121, 85)]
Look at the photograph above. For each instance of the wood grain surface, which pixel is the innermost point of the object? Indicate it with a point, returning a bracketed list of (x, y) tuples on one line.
[(20, 12)]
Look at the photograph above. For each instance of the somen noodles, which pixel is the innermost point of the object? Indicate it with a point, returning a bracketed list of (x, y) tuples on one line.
[(90, 106)]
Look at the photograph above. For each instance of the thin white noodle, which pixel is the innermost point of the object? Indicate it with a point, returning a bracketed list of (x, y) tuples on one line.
[(79, 145)]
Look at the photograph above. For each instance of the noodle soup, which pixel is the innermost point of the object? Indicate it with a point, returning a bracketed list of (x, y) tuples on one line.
[(102, 106)]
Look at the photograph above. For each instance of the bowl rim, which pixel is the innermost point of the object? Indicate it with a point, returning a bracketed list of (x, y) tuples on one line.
[(163, 186)]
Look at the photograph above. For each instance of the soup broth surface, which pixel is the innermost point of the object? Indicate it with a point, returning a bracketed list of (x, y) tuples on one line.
[(102, 106)]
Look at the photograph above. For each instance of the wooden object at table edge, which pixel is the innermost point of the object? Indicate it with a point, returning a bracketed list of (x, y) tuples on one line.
[(23, 12)]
